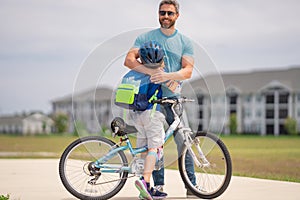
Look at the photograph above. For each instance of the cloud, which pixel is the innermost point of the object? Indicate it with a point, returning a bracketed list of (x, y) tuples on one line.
[(239, 34), (46, 41)]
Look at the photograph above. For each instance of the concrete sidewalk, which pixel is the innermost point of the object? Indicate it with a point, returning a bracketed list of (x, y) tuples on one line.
[(29, 179)]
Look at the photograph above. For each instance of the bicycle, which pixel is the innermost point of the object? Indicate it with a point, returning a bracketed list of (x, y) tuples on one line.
[(96, 168)]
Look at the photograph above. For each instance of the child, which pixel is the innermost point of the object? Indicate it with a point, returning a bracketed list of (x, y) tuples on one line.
[(150, 122)]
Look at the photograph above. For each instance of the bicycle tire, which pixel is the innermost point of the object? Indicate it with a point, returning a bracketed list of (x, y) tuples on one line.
[(73, 163), (213, 180)]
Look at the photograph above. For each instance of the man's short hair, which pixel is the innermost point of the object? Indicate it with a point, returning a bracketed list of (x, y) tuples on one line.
[(171, 2)]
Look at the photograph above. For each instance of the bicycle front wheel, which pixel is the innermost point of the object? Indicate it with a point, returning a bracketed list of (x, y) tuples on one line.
[(75, 169), (213, 176)]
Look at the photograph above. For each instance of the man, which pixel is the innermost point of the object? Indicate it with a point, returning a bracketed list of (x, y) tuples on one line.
[(179, 64)]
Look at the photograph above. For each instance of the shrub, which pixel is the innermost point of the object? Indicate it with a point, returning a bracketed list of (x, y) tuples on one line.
[(61, 122), (233, 124), (290, 126)]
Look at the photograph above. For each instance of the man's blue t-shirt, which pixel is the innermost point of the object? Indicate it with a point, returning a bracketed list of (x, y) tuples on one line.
[(175, 46)]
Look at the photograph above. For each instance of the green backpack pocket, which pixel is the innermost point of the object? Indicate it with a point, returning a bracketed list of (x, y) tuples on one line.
[(126, 93)]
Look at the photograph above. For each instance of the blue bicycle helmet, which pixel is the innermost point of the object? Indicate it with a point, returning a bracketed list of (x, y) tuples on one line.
[(151, 54)]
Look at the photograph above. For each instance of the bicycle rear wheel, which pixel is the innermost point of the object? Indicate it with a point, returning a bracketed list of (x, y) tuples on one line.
[(211, 179), (75, 165)]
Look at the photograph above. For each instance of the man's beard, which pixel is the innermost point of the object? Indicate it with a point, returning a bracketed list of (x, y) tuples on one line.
[(172, 23)]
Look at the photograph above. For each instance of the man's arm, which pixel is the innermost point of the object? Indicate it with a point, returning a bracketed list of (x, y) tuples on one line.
[(184, 73), (132, 63)]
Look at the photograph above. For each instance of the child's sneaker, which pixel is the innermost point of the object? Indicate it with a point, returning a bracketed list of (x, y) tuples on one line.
[(141, 185), (156, 194)]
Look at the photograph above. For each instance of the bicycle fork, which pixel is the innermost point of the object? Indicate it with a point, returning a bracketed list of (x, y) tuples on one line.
[(196, 141)]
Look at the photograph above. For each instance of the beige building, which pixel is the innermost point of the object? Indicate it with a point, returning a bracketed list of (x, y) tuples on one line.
[(32, 124)]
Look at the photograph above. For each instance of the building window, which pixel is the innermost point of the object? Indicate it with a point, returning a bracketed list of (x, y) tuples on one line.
[(248, 98), (282, 130), (233, 100), (247, 113), (270, 129), (200, 127), (298, 97), (283, 113), (200, 114), (270, 99), (232, 111), (258, 113), (200, 99), (284, 98), (270, 113), (258, 98), (214, 99)]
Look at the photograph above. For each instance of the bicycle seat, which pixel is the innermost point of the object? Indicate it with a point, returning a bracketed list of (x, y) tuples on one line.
[(121, 127)]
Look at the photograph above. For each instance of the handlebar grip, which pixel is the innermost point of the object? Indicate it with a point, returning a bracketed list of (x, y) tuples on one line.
[(156, 101), (172, 101), (164, 100)]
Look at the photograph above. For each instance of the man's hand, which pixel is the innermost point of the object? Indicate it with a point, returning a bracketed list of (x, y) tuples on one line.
[(159, 77)]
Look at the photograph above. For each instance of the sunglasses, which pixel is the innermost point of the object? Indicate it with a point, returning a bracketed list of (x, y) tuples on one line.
[(169, 13)]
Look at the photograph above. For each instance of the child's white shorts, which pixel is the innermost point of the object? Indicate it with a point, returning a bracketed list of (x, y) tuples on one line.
[(150, 128)]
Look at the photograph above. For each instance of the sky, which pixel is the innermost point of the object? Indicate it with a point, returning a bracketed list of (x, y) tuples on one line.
[(45, 43)]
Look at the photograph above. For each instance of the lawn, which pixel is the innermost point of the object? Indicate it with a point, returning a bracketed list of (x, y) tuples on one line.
[(32, 144), (275, 158), (265, 157)]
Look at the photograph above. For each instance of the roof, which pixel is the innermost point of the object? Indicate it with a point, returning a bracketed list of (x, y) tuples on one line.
[(11, 120), (38, 117), (249, 82), (98, 94), (18, 119)]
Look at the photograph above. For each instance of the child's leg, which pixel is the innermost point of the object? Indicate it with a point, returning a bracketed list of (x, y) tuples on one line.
[(150, 161), (143, 184)]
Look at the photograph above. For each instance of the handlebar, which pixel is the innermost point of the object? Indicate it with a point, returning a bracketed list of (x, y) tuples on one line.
[(172, 101)]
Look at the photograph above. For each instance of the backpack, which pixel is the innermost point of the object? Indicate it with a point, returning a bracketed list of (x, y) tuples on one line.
[(136, 91)]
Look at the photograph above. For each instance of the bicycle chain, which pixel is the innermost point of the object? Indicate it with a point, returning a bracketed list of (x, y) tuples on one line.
[(114, 180)]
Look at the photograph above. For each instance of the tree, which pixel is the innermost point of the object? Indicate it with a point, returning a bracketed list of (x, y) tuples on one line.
[(61, 122), (290, 125), (233, 123)]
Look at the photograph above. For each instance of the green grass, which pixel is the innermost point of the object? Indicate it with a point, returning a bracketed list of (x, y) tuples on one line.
[(275, 158), (54, 144)]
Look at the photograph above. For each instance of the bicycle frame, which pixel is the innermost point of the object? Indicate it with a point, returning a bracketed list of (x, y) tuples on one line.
[(109, 168)]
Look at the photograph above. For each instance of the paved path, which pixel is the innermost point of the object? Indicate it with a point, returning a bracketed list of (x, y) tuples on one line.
[(29, 179)]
